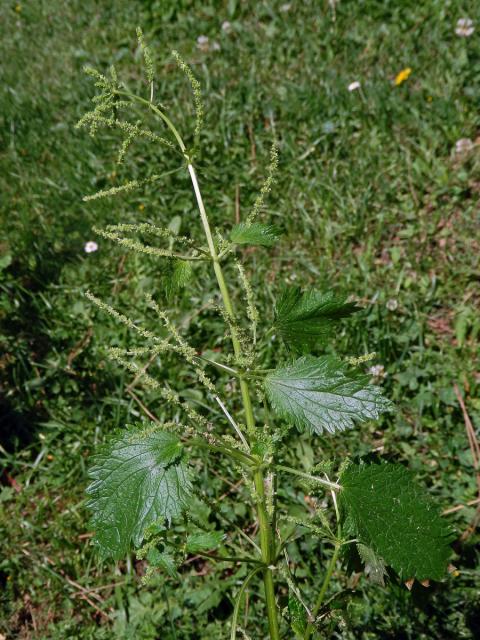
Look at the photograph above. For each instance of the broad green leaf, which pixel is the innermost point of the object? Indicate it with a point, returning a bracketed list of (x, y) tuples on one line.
[(397, 519), (203, 541), (298, 617), (304, 318), (138, 478), (256, 233), (321, 394)]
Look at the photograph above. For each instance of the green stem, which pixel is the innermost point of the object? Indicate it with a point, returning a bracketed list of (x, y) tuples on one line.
[(233, 423), (266, 542), (266, 539), (219, 365), (268, 554), (323, 590), (238, 602)]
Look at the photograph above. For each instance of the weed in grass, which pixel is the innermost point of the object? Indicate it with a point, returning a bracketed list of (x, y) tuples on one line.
[(143, 480), (370, 194)]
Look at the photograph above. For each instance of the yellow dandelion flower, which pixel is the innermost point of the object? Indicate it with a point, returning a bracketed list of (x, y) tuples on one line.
[(141, 207), (402, 76)]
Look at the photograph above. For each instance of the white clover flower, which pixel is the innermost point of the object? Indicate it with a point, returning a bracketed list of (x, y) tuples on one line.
[(90, 247), (226, 26), (285, 7), (353, 86), (203, 43), (392, 304), (464, 145), (378, 371), (464, 27)]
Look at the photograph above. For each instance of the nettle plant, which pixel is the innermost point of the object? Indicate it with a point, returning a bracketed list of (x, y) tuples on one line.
[(143, 479)]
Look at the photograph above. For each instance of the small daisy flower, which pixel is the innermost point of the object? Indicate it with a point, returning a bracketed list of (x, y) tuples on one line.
[(203, 43), (464, 145), (464, 28), (226, 26), (402, 76), (392, 304), (90, 247), (353, 86)]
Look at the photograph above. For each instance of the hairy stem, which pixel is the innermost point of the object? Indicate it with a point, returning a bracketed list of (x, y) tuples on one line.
[(268, 554), (266, 539)]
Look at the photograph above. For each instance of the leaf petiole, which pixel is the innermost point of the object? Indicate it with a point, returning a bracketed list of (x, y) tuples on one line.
[(221, 366), (240, 456), (327, 483)]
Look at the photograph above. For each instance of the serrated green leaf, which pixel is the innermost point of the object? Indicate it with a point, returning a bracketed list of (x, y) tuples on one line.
[(302, 318), (397, 519), (321, 394), (138, 479), (178, 278), (298, 616), (162, 560), (265, 235), (374, 566), (182, 273), (203, 541)]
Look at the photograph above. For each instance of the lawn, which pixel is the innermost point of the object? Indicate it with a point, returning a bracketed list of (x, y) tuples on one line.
[(376, 198)]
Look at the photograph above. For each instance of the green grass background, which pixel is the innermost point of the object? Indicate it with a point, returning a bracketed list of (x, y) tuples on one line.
[(372, 200)]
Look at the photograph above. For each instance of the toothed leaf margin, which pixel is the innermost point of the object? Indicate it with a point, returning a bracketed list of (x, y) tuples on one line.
[(397, 519), (322, 394), (304, 318), (138, 478), (255, 234)]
